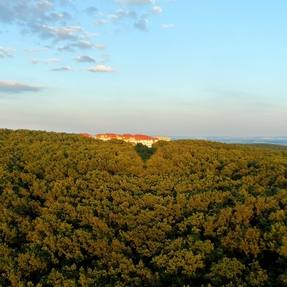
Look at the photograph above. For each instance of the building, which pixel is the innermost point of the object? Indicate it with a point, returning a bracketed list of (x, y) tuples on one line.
[(134, 139), (107, 137)]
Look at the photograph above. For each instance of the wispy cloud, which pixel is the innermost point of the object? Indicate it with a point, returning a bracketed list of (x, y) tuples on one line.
[(135, 2), (47, 61), (36, 50), (85, 59), (101, 69), (48, 19), (100, 46), (142, 24), (81, 45), (61, 33), (6, 52), (62, 69), (29, 12), (137, 13), (92, 10), (12, 87), (167, 26), (122, 14), (60, 29)]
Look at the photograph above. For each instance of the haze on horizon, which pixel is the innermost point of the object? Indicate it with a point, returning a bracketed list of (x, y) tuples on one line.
[(170, 67)]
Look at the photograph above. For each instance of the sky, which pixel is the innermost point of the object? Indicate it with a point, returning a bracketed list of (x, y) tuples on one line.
[(162, 67)]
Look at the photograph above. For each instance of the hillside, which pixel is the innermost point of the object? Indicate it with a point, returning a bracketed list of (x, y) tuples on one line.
[(83, 212)]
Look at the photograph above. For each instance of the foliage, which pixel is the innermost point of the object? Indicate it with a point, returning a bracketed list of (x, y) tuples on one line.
[(81, 212), (144, 151)]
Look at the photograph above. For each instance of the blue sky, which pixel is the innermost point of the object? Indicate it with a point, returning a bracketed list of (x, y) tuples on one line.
[(171, 67)]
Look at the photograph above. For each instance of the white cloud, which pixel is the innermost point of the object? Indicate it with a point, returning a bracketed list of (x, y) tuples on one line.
[(12, 87), (156, 9), (101, 69)]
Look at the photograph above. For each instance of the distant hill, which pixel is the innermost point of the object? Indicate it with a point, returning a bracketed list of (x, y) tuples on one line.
[(83, 212), (242, 140), (269, 146)]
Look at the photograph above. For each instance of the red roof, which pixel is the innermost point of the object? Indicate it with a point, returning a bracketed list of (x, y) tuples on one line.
[(138, 137), (110, 135), (85, 135)]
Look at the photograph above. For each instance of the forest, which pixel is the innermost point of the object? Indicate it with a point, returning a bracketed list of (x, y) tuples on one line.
[(82, 212)]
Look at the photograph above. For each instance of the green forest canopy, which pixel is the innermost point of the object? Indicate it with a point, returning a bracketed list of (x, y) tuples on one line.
[(81, 212)]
